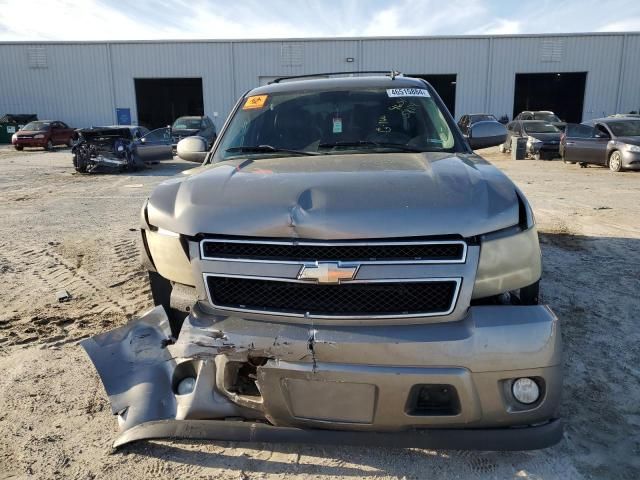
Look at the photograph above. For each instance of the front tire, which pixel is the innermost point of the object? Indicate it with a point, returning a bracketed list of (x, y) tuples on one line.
[(615, 161), (19, 147), (49, 145)]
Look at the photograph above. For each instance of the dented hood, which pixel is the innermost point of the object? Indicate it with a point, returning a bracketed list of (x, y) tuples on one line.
[(339, 197)]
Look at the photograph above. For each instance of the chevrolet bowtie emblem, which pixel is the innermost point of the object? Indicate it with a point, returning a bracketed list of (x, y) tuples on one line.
[(328, 272)]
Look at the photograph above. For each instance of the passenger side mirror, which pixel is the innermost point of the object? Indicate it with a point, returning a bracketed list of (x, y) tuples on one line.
[(192, 149), (486, 134)]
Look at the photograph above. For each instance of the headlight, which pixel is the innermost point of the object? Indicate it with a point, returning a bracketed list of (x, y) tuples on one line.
[(533, 142), (509, 261), (14, 138), (634, 148), (39, 136), (168, 255)]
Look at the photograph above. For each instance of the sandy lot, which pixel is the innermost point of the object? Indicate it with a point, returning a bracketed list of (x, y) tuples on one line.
[(59, 231)]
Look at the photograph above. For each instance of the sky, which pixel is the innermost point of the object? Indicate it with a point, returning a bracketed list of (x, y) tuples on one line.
[(22, 20)]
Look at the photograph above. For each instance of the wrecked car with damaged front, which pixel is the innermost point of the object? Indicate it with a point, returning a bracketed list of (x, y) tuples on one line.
[(120, 148), (342, 268)]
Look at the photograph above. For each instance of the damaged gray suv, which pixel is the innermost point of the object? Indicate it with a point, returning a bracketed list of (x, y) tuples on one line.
[(342, 268)]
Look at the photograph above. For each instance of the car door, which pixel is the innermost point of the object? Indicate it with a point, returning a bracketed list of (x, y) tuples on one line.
[(514, 129), (56, 133), (597, 147), (66, 132), (577, 142), (155, 145)]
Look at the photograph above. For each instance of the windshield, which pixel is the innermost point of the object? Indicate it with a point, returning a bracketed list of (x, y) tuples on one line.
[(336, 121), (540, 127), (625, 128), (483, 118), (187, 124), (547, 117), (36, 126)]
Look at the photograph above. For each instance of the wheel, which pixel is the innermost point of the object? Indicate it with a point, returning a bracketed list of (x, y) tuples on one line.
[(79, 162), (19, 147), (49, 145), (70, 142), (161, 293), (502, 149), (615, 161), (530, 295)]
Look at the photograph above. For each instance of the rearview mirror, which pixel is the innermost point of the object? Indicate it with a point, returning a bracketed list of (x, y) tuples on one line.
[(486, 134), (192, 149)]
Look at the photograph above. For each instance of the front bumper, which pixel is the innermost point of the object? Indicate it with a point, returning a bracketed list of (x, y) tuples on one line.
[(30, 142), (630, 160), (353, 379)]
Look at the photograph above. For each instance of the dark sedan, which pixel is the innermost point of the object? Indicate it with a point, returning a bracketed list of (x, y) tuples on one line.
[(612, 142), (544, 115), (189, 126), (543, 138), (466, 121)]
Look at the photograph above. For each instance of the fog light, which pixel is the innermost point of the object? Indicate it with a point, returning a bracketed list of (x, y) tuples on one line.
[(525, 390), (186, 385)]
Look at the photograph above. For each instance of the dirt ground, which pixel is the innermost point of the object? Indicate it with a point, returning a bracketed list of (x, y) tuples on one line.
[(59, 230)]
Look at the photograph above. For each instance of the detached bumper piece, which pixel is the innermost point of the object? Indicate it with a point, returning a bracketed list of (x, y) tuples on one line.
[(499, 439), (440, 385)]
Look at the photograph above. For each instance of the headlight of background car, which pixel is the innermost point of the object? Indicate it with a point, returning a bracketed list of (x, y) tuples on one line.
[(39, 136), (634, 148), (533, 143), (509, 260)]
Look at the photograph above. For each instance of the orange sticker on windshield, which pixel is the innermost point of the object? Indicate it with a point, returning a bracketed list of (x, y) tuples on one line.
[(256, 101)]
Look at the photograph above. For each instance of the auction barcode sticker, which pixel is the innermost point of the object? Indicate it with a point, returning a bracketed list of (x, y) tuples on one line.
[(407, 92)]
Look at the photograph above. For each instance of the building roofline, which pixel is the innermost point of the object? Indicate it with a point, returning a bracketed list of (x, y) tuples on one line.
[(318, 39)]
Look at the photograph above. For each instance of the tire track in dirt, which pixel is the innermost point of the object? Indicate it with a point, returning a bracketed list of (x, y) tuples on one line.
[(37, 273)]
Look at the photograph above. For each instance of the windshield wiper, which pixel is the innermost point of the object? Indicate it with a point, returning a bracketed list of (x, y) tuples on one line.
[(268, 148), (367, 143)]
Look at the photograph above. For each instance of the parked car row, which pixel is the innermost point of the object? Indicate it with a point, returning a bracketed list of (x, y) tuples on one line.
[(119, 147)]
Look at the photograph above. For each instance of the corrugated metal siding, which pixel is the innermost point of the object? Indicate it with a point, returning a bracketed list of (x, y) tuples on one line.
[(630, 86), (209, 61), (599, 56), (84, 83), (75, 86), (253, 60), (465, 57)]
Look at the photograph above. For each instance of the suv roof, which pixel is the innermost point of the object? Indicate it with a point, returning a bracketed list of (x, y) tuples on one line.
[(340, 82)]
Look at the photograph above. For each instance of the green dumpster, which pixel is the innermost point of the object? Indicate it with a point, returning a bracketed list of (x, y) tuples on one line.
[(12, 122)]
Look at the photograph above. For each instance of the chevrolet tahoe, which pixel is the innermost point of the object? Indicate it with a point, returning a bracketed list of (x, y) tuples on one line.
[(341, 268)]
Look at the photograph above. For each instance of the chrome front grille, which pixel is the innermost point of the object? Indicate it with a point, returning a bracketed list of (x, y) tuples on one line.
[(334, 280), (448, 251)]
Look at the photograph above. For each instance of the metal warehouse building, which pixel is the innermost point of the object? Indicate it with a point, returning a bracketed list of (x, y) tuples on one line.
[(578, 76)]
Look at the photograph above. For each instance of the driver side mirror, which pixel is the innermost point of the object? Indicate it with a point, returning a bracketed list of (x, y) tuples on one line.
[(192, 149), (486, 134)]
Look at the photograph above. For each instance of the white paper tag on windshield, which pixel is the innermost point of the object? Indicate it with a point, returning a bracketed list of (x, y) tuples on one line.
[(407, 92)]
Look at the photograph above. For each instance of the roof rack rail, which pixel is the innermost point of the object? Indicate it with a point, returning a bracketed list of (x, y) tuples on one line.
[(391, 73)]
